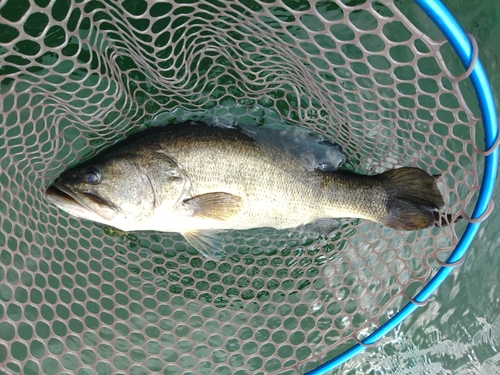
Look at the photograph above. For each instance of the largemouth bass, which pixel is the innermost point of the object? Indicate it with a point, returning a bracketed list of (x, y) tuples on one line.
[(195, 179)]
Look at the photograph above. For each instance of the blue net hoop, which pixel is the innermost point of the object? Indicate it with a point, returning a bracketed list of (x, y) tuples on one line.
[(461, 44)]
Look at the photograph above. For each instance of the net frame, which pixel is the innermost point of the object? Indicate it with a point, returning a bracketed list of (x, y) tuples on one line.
[(472, 228), (464, 48)]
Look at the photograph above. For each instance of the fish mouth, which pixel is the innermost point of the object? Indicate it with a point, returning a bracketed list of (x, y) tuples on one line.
[(58, 194), (81, 204)]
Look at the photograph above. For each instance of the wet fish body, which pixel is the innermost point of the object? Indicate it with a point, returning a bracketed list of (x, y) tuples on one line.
[(196, 179)]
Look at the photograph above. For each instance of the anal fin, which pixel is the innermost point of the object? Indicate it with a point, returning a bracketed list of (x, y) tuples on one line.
[(321, 226)]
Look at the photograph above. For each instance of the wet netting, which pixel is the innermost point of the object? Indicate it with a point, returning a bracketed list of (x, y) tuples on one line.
[(379, 79)]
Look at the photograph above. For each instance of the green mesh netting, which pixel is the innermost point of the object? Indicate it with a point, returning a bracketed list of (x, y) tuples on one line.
[(76, 76)]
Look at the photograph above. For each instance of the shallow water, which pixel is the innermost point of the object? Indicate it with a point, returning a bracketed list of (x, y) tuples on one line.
[(458, 332)]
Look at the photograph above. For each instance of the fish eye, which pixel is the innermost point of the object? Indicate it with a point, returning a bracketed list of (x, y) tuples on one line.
[(92, 175)]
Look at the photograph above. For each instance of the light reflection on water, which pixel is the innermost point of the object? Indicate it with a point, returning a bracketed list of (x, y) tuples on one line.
[(458, 332)]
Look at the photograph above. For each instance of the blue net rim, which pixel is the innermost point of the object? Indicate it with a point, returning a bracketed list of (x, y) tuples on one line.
[(459, 41)]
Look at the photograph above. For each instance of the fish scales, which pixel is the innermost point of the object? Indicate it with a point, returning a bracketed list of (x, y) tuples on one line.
[(278, 191)]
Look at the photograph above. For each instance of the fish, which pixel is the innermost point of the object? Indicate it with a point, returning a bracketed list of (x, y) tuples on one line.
[(196, 179)]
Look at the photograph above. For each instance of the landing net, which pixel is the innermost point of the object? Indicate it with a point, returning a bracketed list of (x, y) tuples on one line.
[(378, 79)]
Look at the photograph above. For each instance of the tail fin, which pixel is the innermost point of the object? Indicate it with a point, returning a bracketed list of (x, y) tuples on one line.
[(412, 198)]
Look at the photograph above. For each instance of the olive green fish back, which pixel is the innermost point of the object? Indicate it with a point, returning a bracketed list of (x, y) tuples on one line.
[(75, 76)]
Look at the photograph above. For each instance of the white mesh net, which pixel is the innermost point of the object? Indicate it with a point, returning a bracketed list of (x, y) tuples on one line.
[(78, 297)]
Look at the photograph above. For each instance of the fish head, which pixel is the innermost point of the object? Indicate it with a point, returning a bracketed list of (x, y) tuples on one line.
[(112, 190)]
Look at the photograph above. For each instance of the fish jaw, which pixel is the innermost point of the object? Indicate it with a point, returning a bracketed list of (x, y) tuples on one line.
[(69, 202)]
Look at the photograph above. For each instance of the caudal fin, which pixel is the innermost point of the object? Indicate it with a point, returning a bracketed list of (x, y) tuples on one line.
[(413, 198)]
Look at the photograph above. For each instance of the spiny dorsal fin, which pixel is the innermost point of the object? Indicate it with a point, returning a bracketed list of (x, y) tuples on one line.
[(218, 206)]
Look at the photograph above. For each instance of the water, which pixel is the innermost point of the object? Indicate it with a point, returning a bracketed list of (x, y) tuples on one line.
[(458, 332)]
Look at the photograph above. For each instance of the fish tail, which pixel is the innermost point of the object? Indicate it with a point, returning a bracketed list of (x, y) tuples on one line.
[(412, 198)]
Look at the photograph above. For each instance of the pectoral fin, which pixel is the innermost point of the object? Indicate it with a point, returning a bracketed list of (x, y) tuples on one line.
[(207, 243), (218, 206)]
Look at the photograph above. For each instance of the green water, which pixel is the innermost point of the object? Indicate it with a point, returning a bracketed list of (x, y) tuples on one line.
[(458, 332)]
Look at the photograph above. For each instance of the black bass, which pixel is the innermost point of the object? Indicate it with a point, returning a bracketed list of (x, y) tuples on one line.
[(196, 179)]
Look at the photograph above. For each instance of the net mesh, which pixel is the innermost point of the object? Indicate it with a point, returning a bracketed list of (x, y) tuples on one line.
[(79, 297)]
